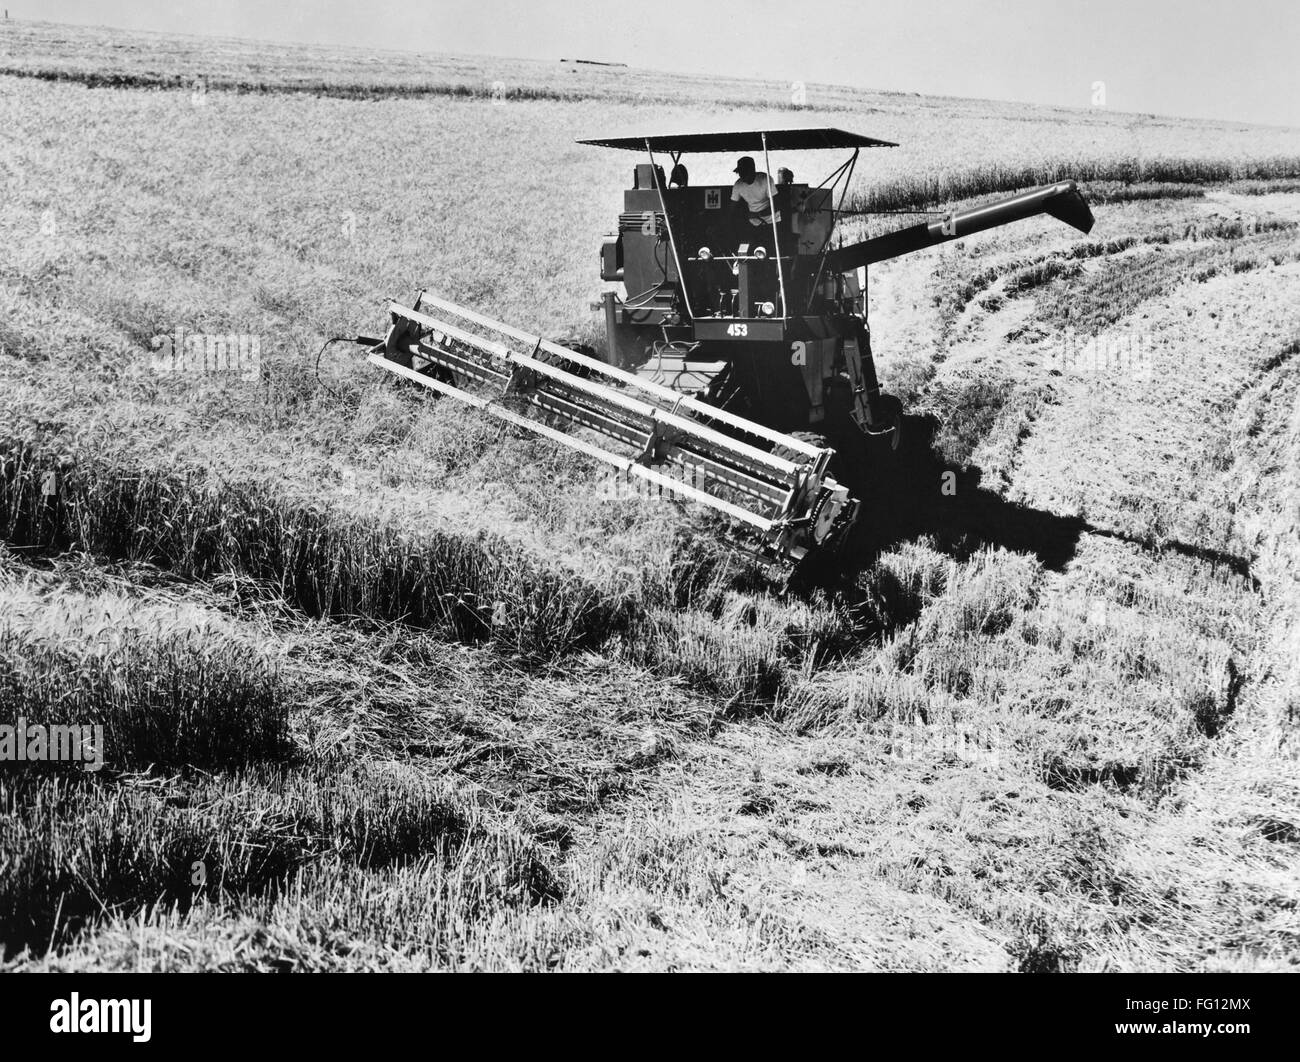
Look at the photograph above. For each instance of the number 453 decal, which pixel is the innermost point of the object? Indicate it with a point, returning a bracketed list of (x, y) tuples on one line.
[(737, 329)]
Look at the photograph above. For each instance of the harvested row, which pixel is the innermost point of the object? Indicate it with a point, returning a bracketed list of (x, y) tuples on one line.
[(1096, 301), (1025, 275)]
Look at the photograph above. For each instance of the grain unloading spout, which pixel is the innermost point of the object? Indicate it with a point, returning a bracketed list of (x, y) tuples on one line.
[(1061, 200), (777, 485)]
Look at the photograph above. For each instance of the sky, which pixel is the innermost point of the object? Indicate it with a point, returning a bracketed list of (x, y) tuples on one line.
[(1193, 58)]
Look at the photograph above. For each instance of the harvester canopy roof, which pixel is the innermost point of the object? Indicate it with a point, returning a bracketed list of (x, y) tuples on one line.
[(798, 139)]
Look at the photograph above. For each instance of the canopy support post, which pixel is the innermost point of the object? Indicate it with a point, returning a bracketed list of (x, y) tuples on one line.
[(668, 225), (776, 236)]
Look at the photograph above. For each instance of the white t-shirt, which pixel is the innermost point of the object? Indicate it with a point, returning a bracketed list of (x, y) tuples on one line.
[(754, 194)]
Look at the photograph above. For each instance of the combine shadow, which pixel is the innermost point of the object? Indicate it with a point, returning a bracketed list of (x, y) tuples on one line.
[(903, 497)]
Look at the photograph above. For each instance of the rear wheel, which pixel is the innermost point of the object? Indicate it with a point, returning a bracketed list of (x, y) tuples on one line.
[(893, 416)]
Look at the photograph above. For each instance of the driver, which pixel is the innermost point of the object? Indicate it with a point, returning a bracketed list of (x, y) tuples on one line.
[(752, 195)]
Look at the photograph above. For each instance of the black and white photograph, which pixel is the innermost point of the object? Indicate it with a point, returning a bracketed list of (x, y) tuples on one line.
[(593, 487)]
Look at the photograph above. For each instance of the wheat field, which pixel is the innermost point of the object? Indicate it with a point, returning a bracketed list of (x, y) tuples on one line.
[(385, 685)]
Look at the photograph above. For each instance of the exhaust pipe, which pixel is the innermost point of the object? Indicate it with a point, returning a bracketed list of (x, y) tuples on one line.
[(1061, 201)]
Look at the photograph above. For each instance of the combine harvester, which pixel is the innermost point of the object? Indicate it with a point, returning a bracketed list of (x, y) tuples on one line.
[(740, 335)]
